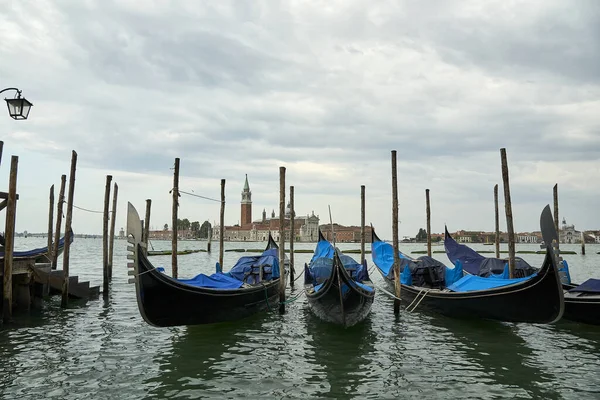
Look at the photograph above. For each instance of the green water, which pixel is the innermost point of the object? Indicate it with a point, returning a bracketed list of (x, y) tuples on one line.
[(104, 350)]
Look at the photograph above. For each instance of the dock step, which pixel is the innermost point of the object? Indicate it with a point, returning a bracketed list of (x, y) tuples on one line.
[(54, 279)]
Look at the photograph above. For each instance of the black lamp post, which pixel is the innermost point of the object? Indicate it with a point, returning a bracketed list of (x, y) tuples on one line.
[(18, 107)]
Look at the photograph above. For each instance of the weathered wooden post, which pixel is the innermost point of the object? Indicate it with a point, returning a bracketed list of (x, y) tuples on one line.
[(582, 243), (281, 240), (556, 225), (111, 236), (50, 221), (9, 239), (146, 227), (428, 212), (497, 219), (68, 232), (292, 235), (174, 220), (508, 209), (362, 224), (59, 217), (395, 234), (208, 242), (222, 226), (105, 278)]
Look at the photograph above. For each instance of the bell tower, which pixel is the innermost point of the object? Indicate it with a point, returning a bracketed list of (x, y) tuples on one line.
[(246, 204)]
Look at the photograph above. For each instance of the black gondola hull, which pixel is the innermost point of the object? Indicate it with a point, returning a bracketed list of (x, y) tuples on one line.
[(340, 301), (164, 302), (586, 310)]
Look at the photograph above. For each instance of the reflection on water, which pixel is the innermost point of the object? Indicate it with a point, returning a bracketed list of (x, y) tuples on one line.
[(104, 350)]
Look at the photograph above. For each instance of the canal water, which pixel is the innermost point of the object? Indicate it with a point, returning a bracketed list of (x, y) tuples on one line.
[(103, 349)]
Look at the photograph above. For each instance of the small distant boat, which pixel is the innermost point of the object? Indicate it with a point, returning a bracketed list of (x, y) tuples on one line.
[(252, 285), (338, 288), (582, 301), (427, 283)]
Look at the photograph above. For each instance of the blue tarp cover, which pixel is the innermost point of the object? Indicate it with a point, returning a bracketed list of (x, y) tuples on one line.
[(470, 283), (321, 264), (383, 257), (589, 286), (247, 268), (35, 252), (476, 264), (215, 281), (454, 274)]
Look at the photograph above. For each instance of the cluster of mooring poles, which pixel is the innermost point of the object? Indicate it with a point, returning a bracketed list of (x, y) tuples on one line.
[(29, 278)]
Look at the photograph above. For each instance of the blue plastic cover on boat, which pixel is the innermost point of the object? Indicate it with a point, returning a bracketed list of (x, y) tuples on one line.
[(321, 265), (476, 264), (320, 270), (36, 252), (383, 257), (215, 281), (454, 274), (589, 286), (504, 275), (406, 277), (563, 272), (247, 268), (470, 259), (470, 283)]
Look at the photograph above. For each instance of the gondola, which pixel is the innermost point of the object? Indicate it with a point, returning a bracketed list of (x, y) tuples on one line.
[(40, 255), (338, 288), (252, 285), (536, 299), (582, 301)]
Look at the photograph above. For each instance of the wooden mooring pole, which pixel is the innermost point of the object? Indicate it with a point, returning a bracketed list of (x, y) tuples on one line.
[(582, 243), (497, 221), (209, 239), (111, 235), (50, 221), (68, 232), (105, 277), (428, 212), (556, 220), (362, 224), (292, 235), (146, 227), (9, 240), (509, 219), (395, 234), (174, 226), (59, 217), (281, 240), (221, 225)]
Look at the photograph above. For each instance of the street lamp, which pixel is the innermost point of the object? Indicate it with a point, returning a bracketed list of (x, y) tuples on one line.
[(18, 107)]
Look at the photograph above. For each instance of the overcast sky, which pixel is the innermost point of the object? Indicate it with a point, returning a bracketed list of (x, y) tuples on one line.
[(325, 88)]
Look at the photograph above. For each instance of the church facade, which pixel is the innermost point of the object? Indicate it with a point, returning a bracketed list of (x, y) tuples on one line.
[(306, 228)]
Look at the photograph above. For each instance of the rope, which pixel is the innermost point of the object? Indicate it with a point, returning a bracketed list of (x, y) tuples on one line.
[(388, 293), (267, 298), (415, 299), (419, 302), (293, 299), (88, 210), (196, 195)]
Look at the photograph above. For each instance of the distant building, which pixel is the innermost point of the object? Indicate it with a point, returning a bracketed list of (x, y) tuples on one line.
[(345, 233), (568, 234), (305, 227)]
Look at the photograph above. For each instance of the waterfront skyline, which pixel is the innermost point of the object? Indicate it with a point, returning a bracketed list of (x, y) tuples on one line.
[(237, 89)]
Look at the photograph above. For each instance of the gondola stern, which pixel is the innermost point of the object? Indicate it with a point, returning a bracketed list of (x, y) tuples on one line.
[(550, 236)]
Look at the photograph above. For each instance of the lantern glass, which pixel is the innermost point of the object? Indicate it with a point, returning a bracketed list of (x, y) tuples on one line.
[(18, 108)]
